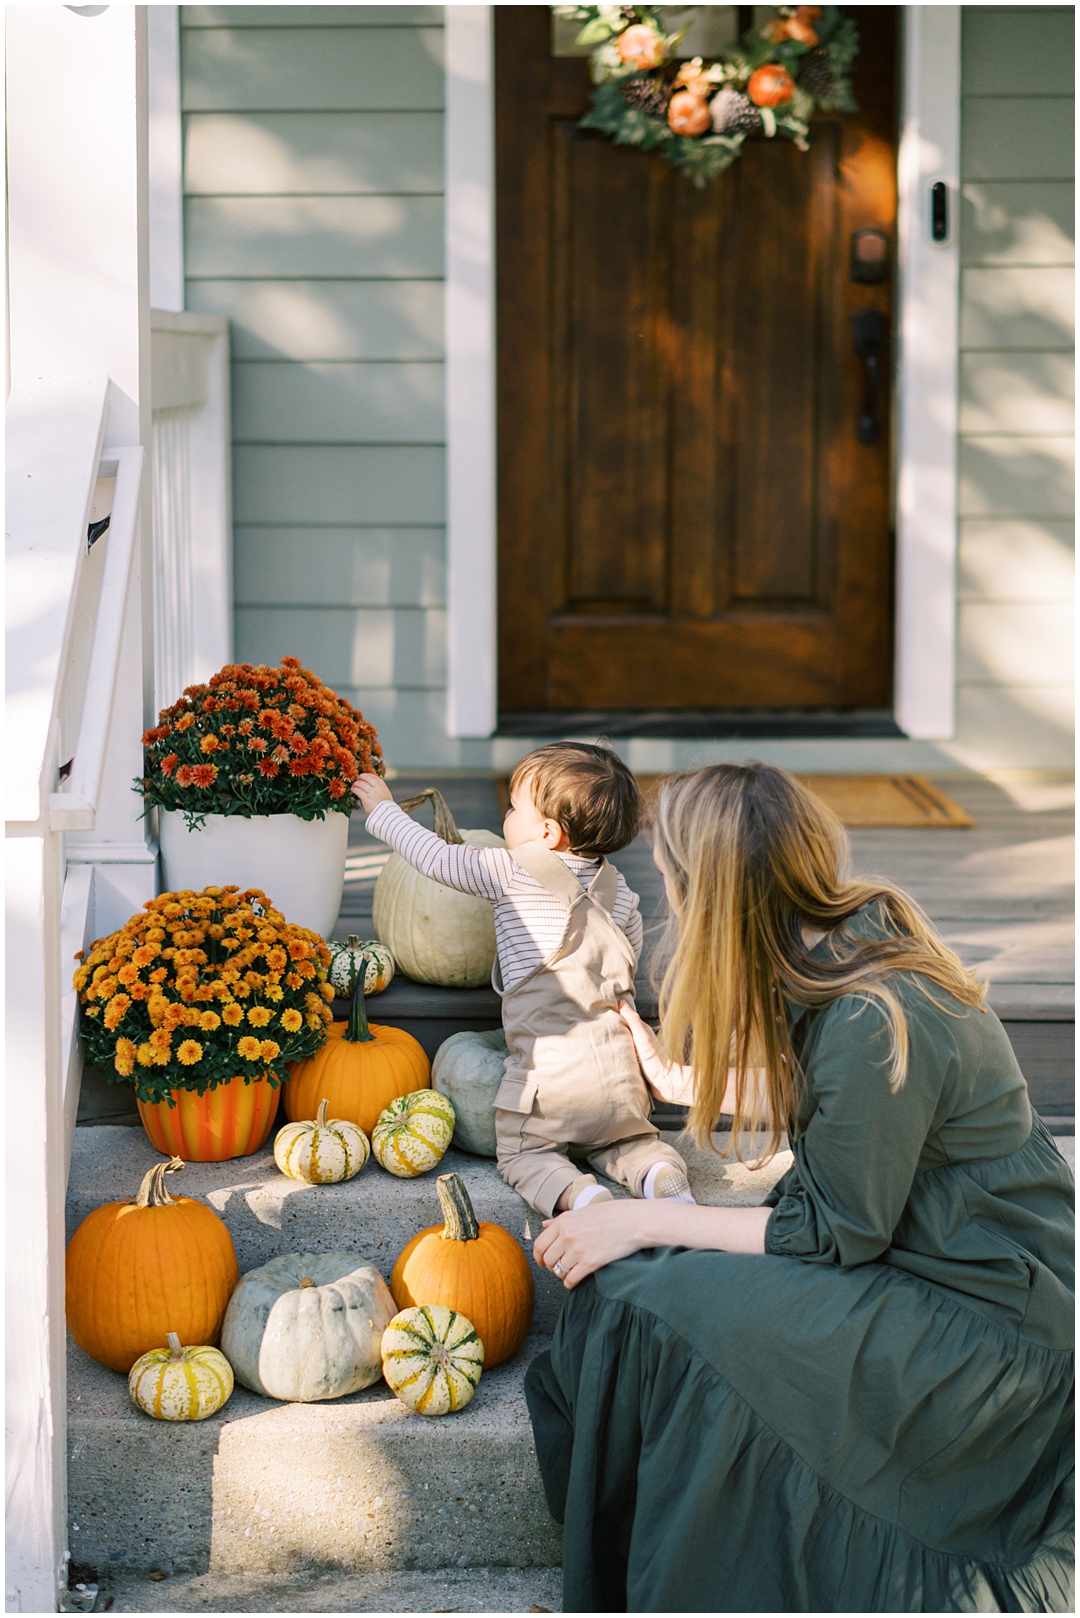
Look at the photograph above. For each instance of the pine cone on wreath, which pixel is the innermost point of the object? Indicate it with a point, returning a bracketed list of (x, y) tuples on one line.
[(647, 95), (733, 113), (815, 75)]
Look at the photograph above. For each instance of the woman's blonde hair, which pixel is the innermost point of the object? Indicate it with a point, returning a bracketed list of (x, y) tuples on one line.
[(751, 858)]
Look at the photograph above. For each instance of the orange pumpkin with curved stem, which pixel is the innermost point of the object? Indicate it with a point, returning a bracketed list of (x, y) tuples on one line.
[(477, 1269), (138, 1270), (359, 1071)]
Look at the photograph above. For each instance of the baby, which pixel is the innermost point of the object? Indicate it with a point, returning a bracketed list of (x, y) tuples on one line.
[(568, 935)]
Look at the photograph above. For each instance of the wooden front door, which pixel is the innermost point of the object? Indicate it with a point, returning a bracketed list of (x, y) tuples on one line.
[(687, 516)]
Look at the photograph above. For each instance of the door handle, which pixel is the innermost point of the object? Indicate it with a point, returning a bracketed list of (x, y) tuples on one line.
[(871, 333)]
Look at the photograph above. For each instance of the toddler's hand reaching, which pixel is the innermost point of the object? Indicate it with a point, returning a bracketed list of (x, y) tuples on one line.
[(371, 789), (667, 1080)]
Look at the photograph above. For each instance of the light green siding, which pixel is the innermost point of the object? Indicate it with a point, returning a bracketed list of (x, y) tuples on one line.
[(1014, 676), (313, 179)]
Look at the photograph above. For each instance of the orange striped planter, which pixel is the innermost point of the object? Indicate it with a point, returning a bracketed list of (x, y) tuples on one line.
[(232, 1121)]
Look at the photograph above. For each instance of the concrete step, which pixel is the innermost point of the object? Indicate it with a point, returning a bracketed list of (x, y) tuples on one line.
[(537, 1589), (359, 1484)]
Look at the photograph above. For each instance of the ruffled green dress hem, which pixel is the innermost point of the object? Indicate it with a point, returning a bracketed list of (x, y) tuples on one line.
[(676, 1494)]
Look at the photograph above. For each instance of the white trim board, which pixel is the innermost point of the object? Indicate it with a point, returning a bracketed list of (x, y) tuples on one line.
[(470, 372), (926, 375)]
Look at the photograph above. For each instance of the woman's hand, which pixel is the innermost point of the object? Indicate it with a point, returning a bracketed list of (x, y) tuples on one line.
[(602, 1232), (597, 1234), (371, 789), (667, 1080)]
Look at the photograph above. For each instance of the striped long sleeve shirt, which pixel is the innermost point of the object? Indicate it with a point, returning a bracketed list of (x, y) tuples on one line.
[(529, 921)]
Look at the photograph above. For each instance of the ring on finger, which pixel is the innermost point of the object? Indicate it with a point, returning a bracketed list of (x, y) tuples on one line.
[(557, 1269)]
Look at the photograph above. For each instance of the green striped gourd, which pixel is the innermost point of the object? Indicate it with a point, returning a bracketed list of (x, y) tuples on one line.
[(413, 1132), (180, 1384), (432, 1359), (321, 1151), (347, 958)]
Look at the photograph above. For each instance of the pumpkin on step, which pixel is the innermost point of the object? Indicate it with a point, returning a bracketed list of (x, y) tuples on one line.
[(321, 1151), (180, 1384), (432, 1359), (359, 1070), (308, 1326), (413, 1133), (468, 1067), (138, 1270), (435, 934), (347, 958), (477, 1269)]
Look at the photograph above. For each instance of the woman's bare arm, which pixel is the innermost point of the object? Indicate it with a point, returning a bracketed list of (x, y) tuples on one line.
[(605, 1231)]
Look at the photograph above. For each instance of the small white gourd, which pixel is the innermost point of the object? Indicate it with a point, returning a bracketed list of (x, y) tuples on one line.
[(321, 1151)]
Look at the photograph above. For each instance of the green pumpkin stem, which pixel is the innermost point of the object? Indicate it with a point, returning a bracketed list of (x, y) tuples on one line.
[(358, 1032), (443, 821), (152, 1192), (457, 1209)]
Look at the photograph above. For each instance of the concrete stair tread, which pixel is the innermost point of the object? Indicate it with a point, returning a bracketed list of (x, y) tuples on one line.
[(463, 1589)]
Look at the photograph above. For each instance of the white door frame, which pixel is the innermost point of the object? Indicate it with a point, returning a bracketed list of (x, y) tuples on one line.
[(926, 374)]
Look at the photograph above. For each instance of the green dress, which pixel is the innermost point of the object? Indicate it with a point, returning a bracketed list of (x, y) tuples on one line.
[(876, 1416)]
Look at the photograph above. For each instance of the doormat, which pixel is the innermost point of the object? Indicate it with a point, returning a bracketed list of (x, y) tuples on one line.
[(859, 800)]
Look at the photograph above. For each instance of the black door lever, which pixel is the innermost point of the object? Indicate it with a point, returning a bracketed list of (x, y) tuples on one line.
[(871, 333)]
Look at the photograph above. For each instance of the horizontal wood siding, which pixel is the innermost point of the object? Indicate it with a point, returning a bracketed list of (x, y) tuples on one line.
[(1016, 386), (313, 187)]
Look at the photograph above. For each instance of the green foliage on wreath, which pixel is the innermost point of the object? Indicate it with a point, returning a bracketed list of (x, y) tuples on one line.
[(814, 45)]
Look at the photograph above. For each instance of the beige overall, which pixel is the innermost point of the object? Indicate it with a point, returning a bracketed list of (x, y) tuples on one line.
[(572, 1078)]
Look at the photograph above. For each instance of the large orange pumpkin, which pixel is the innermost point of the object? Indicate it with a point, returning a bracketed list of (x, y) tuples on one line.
[(477, 1269), (141, 1269), (232, 1121), (359, 1071)]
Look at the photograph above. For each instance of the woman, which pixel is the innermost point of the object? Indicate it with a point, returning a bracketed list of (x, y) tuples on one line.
[(856, 1398)]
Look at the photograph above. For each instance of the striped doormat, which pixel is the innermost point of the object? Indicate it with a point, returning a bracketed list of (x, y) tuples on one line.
[(859, 800)]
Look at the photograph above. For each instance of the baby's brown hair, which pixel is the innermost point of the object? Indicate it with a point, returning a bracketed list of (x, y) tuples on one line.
[(587, 789)]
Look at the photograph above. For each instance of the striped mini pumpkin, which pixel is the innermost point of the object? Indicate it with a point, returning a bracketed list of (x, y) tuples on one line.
[(413, 1132), (432, 1359), (321, 1151), (180, 1384)]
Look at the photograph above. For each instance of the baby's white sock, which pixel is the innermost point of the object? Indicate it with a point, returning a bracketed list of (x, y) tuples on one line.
[(664, 1182), (589, 1194)]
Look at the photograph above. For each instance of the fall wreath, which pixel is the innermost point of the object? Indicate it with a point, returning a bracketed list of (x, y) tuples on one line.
[(698, 114)]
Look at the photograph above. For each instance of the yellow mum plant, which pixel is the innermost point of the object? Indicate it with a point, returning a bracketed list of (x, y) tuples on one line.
[(199, 988)]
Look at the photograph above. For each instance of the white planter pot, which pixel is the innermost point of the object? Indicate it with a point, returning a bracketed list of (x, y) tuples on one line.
[(299, 864)]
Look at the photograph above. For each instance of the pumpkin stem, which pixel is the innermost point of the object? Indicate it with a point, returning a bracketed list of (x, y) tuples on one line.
[(443, 821), (306, 1281), (358, 1032), (320, 1116), (175, 1351), (457, 1210), (152, 1192)]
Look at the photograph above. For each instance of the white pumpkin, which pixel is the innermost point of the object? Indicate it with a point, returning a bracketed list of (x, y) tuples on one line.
[(308, 1326), (432, 1359), (413, 1132), (435, 934), (321, 1151), (345, 958), (468, 1069), (180, 1384)]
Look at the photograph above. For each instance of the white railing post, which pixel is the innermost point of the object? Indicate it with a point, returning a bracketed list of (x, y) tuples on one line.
[(78, 308)]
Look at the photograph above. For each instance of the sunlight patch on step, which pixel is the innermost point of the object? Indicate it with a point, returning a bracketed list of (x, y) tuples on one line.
[(365, 867)]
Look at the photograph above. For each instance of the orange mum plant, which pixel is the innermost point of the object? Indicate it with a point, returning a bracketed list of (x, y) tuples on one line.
[(199, 988), (258, 741)]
